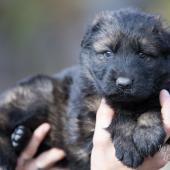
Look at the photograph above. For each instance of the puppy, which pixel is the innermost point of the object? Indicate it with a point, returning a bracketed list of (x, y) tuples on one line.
[(125, 58)]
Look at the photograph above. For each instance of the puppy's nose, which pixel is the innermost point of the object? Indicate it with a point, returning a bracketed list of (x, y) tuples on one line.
[(123, 82)]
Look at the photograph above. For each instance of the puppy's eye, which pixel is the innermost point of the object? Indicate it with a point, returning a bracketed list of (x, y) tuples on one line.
[(147, 57), (141, 55), (108, 54)]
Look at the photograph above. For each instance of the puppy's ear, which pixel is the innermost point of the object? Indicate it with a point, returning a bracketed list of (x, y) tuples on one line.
[(165, 42), (91, 31), (165, 46), (162, 31), (95, 27), (87, 39)]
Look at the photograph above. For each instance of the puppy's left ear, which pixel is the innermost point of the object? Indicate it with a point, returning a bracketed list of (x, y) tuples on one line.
[(163, 35), (164, 38)]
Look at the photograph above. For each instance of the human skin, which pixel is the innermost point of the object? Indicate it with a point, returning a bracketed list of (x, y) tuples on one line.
[(44, 160), (103, 152)]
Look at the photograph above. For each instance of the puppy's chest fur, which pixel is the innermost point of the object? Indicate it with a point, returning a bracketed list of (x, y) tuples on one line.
[(78, 121), (131, 121)]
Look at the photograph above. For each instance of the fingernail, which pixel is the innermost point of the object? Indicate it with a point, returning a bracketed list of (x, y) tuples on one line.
[(103, 101), (58, 152), (165, 93), (46, 126)]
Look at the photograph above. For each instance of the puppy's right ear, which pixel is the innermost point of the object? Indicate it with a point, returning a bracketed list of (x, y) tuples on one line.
[(100, 19), (95, 27), (91, 31), (162, 32)]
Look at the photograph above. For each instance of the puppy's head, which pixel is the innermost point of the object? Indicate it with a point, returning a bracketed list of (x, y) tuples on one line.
[(125, 54)]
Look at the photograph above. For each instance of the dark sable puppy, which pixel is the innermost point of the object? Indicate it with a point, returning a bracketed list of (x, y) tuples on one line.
[(125, 59)]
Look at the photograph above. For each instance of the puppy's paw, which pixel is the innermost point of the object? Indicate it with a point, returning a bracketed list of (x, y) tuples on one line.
[(17, 136), (20, 138), (148, 140), (127, 153)]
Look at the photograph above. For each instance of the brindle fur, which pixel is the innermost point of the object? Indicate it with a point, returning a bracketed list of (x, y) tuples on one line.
[(139, 46)]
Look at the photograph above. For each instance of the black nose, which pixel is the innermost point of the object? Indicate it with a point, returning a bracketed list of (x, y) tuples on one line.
[(123, 82)]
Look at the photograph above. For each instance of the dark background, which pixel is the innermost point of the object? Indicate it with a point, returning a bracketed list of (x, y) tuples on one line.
[(43, 36)]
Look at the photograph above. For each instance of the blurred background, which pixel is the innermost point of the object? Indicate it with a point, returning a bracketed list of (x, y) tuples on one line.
[(43, 36)]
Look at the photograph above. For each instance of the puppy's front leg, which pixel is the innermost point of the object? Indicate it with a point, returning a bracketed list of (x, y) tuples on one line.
[(126, 151), (149, 134)]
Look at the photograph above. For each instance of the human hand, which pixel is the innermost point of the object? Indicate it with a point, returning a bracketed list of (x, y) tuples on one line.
[(103, 153), (44, 160)]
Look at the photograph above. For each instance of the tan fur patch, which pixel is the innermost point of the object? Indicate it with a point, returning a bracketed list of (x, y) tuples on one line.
[(23, 96), (93, 103), (102, 44), (107, 40), (148, 119)]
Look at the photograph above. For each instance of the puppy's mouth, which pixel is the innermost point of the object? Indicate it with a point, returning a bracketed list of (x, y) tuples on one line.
[(122, 97), (127, 95)]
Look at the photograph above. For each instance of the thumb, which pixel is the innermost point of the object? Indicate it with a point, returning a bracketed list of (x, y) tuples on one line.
[(165, 110), (165, 98), (103, 120)]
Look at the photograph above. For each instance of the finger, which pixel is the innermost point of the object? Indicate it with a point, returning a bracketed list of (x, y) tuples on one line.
[(164, 97), (165, 153), (104, 115), (37, 137), (165, 110), (103, 120), (158, 161), (47, 159)]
